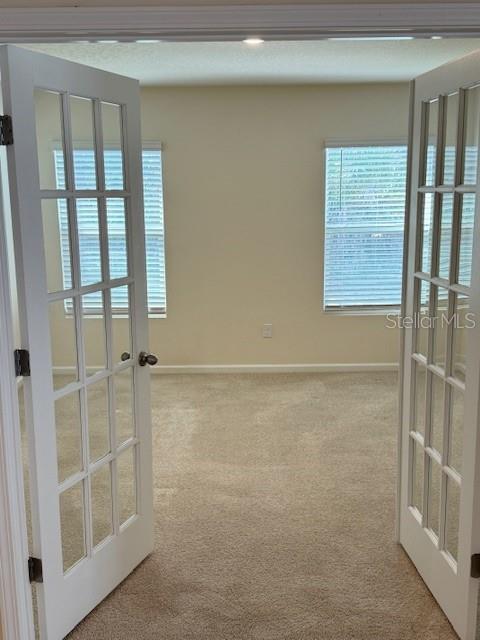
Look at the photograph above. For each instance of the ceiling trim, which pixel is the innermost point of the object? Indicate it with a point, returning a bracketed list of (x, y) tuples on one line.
[(231, 22)]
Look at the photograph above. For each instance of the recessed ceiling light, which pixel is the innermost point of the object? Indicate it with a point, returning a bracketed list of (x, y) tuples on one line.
[(437, 38), (107, 41), (145, 41), (254, 41)]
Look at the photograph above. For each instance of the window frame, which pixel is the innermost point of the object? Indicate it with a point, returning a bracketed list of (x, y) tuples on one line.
[(57, 146), (365, 309)]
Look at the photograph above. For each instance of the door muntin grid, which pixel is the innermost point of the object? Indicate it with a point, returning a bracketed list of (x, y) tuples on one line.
[(90, 480), (445, 180)]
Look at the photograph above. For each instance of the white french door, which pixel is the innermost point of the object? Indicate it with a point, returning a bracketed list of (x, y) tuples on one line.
[(440, 472), (80, 263)]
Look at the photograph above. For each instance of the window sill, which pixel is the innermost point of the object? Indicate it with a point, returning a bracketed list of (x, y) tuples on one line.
[(117, 316), (362, 311)]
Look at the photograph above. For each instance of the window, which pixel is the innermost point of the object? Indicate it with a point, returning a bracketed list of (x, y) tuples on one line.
[(364, 220), (154, 230)]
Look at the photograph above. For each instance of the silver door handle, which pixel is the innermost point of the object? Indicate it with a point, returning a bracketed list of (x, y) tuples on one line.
[(147, 358)]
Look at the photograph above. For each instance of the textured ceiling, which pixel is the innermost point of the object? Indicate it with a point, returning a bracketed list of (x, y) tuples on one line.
[(175, 63)]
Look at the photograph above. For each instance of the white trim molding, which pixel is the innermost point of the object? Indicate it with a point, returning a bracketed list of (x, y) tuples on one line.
[(255, 368), (276, 368), (16, 616), (231, 22)]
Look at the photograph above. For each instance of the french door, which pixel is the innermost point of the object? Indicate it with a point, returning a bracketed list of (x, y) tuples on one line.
[(80, 265), (440, 472)]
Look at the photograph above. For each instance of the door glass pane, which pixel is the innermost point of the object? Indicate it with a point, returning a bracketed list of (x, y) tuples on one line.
[(69, 435), (126, 484), (453, 518), (89, 240), (472, 124), (440, 327), (451, 119), (417, 481), (431, 146), (113, 146), (98, 420), (121, 323), (456, 429), (49, 130), (63, 342), (123, 384), (427, 202), (83, 143), (423, 316), (466, 238), (437, 413), (434, 485), (446, 217), (419, 397), (56, 243), (117, 238), (94, 336), (462, 321), (101, 487), (72, 525)]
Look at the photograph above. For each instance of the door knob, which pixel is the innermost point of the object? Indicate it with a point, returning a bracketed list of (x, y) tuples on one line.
[(146, 358)]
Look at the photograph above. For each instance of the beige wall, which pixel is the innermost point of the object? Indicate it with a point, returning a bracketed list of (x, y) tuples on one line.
[(243, 175), (243, 171)]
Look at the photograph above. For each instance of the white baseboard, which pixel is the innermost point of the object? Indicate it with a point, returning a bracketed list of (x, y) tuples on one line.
[(276, 368), (261, 368)]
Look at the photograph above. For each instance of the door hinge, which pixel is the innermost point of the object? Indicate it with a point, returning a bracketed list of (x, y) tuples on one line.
[(22, 362), (475, 566), (35, 570), (6, 130)]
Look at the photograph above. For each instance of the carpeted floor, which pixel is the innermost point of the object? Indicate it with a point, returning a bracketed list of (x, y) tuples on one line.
[(274, 501)]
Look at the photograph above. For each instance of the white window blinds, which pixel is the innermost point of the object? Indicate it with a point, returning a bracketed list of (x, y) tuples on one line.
[(364, 220), (88, 225)]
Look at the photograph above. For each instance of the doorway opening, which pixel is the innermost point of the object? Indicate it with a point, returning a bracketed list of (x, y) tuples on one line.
[(274, 417)]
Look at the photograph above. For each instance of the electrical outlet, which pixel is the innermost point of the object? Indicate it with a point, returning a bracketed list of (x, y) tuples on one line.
[(267, 331)]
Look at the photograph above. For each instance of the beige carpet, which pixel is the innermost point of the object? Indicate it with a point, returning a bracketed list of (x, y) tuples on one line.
[(274, 500)]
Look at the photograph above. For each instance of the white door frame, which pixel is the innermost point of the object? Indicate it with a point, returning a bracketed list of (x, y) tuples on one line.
[(130, 23), (231, 22), (16, 613)]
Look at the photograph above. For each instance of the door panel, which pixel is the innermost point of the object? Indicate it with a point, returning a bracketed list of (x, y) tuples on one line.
[(440, 493), (82, 294)]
